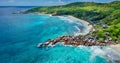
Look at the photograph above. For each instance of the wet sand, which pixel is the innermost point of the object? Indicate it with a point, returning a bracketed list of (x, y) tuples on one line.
[(89, 27), (116, 47)]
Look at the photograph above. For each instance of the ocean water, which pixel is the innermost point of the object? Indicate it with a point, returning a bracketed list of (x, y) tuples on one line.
[(20, 34)]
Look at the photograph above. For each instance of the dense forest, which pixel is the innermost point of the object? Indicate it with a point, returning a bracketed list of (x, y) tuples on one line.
[(105, 17)]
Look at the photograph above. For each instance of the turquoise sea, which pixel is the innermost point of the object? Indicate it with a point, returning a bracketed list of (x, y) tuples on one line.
[(20, 34)]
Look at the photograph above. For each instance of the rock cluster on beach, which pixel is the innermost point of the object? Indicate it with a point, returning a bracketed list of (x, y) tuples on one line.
[(75, 41)]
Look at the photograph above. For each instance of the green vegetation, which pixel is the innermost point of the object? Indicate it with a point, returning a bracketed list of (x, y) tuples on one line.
[(96, 13)]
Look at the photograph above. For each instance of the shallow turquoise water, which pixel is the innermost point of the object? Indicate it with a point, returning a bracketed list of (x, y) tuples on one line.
[(20, 34)]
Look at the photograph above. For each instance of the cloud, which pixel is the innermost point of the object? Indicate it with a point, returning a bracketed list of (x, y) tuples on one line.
[(60, 1)]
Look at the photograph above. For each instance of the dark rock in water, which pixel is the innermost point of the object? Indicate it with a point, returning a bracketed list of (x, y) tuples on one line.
[(40, 45), (117, 61)]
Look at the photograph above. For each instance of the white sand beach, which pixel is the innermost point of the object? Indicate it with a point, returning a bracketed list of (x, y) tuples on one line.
[(116, 47), (89, 27)]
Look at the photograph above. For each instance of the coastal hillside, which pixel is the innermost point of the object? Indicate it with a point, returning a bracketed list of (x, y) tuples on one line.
[(105, 17)]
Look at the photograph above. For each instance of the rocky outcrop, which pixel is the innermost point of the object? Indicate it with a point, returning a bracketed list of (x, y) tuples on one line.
[(75, 41)]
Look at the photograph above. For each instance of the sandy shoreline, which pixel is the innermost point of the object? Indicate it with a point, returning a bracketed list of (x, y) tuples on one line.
[(88, 26), (85, 23), (116, 47)]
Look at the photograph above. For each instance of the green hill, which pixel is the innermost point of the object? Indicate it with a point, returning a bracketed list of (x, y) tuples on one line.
[(98, 14)]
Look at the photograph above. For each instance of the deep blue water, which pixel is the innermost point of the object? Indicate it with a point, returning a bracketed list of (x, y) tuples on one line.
[(20, 34)]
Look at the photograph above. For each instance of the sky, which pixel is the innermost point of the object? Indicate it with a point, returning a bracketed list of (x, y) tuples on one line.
[(43, 2)]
